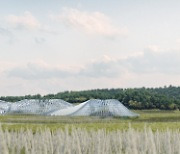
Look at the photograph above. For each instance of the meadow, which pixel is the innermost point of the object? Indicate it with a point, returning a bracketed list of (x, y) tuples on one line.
[(155, 119), (154, 131)]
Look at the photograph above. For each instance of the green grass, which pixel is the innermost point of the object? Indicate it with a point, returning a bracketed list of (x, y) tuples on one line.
[(85, 141), (43, 134), (155, 119)]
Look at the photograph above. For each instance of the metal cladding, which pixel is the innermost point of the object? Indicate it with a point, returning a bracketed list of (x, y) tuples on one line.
[(58, 107), (96, 107), (4, 107), (33, 106)]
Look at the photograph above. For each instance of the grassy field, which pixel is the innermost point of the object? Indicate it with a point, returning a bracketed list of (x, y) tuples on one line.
[(153, 132), (81, 141), (155, 119)]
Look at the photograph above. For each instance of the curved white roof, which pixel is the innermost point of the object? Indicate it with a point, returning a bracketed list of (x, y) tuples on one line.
[(58, 107), (97, 107), (34, 106), (4, 107)]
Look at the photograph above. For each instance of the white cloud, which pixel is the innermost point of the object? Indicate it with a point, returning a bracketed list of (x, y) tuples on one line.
[(148, 69), (165, 62), (106, 67), (39, 40), (99, 68), (5, 32), (6, 35), (149, 62), (5, 65), (27, 21), (178, 41), (36, 71), (89, 22), (153, 48)]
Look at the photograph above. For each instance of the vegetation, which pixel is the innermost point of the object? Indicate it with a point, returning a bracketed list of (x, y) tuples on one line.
[(154, 131), (154, 119), (166, 98), (87, 142)]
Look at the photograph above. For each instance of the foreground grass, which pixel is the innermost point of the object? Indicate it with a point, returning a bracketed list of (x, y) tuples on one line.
[(154, 119), (153, 132), (81, 141)]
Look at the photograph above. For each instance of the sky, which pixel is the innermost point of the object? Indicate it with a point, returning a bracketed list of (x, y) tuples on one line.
[(49, 46)]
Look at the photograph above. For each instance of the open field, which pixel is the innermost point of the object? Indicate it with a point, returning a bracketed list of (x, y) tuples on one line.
[(154, 132), (154, 119)]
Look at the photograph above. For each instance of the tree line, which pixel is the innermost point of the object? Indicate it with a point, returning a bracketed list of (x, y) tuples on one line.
[(164, 98)]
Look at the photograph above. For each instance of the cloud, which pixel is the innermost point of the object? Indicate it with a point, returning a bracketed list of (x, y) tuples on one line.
[(152, 61), (5, 32), (153, 48), (27, 21), (89, 22), (106, 68), (36, 71), (6, 35), (167, 62), (178, 41), (103, 68), (39, 40), (149, 62)]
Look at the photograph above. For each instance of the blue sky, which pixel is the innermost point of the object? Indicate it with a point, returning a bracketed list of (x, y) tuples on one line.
[(51, 46)]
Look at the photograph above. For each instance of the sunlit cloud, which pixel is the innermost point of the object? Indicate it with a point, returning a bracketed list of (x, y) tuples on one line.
[(26, 21), (106, 67), (89, 22)]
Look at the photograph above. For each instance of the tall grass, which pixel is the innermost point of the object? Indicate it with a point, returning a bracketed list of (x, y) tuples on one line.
[(82, 141)]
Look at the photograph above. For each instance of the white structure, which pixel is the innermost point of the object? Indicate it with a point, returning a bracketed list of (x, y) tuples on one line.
[(4, 107), (96, 107), (33, 106), (58, 107)]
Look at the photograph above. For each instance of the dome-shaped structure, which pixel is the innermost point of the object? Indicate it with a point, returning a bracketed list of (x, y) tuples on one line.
[(33, 106), (4, 107), (97, 107), (93, 107)]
